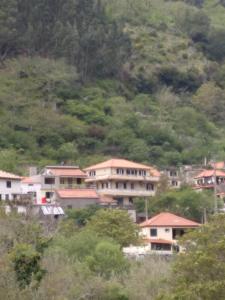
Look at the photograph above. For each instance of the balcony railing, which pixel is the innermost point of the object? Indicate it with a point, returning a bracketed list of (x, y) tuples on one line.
[(76, 186), (127, 192)]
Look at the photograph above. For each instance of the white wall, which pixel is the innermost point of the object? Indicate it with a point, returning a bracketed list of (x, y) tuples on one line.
[(162, 233), (32, 188), (15, 188)]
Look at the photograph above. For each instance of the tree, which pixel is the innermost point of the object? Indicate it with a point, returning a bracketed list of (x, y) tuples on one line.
[(199, 272), (26, 262), (115, 224), (184, 202), (210, 99), (83, 215), (107, 260)]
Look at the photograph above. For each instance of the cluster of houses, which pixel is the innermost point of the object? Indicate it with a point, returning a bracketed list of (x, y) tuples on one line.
[(114, 183)]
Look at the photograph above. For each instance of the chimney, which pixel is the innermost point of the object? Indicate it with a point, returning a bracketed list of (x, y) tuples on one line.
[(32, 171)]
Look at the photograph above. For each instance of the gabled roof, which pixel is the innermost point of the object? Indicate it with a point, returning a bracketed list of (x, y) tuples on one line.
[(6, 175), (210, 173), (166, 219), (122, 163), (77, 194), (65, 171), (32, 179)]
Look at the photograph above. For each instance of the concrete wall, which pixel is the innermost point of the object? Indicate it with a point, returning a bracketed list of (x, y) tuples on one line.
[(76, 203)]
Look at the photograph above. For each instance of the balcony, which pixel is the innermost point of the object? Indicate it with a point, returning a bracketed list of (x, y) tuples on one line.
[(124, 177), (126, 192)]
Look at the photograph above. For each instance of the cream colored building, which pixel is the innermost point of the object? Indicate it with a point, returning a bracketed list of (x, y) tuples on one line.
[(120, 180), (163, 230)]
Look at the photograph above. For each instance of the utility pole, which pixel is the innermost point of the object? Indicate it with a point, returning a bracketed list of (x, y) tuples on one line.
[(214, 188), (146, 208)]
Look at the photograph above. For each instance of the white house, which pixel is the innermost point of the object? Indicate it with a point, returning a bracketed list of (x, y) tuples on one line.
[(32, 186), (162, 231), (10, 186)]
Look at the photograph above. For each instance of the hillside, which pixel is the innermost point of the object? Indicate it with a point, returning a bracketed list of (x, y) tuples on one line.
[(83, 80)]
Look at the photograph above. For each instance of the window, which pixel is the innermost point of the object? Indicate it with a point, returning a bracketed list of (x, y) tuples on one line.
[(125, 185), (49, 195), (6, 197), (167, 230), (8, 184), (153, 232), (92, 173), (174, 183), (117, 185), (173, 173), (120, 171), (149, 187), (132, 186), (62, 180), (49, 180), (128, 172), (79, 181)]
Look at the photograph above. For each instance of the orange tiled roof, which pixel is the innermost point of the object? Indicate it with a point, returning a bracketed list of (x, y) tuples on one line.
[(167, 219), (123, 163), (78, 193), (66, 171), (210, 173), (31, 179), (218, 165), (6, 175)]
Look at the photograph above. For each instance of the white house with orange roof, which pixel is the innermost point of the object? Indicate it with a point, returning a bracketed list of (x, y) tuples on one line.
[(122, 180), (10, 188), (162, 231)]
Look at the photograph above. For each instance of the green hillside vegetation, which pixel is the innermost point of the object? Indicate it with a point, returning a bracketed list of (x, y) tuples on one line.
[(81, 81)]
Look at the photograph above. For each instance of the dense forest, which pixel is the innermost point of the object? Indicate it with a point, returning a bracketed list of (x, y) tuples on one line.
[(83, 80)]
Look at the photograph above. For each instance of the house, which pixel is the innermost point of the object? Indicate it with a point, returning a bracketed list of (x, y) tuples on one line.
[(76, 198), (209, 179), (121, 180), (162, 231), (32, 186), (55, 178), (173, 176), (10, 188)]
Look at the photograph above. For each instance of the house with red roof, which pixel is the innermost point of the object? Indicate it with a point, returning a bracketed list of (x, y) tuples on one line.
[(122, 180), (208, 179), (54, 178), (162, 231)]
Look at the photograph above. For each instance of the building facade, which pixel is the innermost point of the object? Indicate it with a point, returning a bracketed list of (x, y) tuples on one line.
[(163, 230), (122, 180), (10, 186)]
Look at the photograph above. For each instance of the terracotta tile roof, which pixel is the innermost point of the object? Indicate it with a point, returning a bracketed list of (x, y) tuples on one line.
[(66, 171), (32, 179), (167, 219), (210, 173), (6, 175), (218, 165), (78, 193), (158, 241), (123, 163)]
